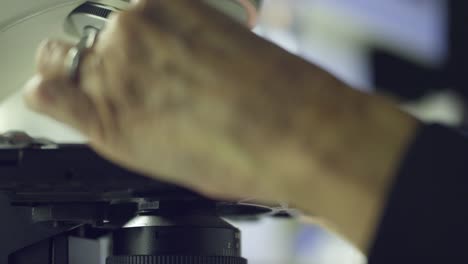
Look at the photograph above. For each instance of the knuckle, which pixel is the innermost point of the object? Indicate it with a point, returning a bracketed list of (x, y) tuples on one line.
[(91, 72), (101, 129), (90, 65), (51, 55), (109, 116), (132, 94), (126, 34), (43, 49), (48, 46), (142, 4), (142, 7), (125, 22)]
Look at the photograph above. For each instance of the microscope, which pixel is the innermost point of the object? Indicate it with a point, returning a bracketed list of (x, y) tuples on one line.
[(72, 190)]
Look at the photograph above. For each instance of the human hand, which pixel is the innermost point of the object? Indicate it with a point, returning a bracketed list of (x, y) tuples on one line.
[(150, 94)]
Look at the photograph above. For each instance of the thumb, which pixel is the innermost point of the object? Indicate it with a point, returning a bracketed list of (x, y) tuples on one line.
[(63, 101)]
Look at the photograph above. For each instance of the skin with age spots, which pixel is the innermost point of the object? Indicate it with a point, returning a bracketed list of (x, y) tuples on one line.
[(211, 106)]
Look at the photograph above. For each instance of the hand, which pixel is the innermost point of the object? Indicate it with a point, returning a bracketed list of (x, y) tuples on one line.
[(153, 94)]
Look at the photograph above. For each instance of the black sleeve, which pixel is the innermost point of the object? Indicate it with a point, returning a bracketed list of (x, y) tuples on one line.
[(410, 79), (426, 217)]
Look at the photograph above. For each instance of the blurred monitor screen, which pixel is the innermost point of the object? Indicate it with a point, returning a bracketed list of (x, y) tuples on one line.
[(417, 28)]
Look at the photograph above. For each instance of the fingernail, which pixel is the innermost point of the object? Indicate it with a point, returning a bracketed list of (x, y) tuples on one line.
[(45, 45)]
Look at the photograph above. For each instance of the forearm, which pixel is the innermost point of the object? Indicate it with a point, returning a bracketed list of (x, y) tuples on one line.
[(337, 154)]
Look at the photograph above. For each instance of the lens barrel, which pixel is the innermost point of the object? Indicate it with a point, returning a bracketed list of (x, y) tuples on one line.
[(177, 240)]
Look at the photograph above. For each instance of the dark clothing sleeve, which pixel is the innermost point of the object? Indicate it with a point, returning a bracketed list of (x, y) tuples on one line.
[(426, 216)]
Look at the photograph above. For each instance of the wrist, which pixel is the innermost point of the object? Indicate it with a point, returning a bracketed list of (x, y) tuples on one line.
[(322, 146), (357, 170)]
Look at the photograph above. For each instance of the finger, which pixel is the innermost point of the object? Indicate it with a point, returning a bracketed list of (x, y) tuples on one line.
[(143, 5), (51, 59), (64, 102), (55, 94), (165, 14)]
